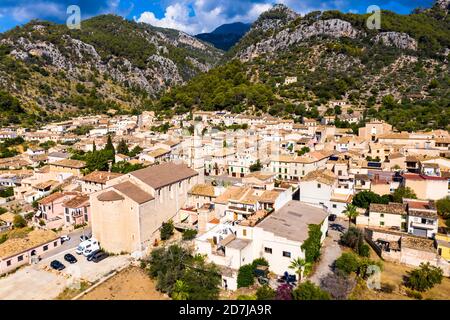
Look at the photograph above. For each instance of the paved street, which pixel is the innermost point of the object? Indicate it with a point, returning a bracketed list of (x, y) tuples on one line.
[(330, 251), (72, 243)]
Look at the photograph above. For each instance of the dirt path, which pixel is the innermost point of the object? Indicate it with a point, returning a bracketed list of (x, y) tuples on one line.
[(130, 284), (330, 252)]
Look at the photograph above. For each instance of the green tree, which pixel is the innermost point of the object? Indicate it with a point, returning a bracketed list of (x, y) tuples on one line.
[(167, 230), (347, 263), (443, 207), (309, 291), (122, 147), (363, 199), (351, 213), (424, 278), (245, 276), (109, 145), (301, 267), (256, 166), (180, 291), (189, 234), (401, 193)]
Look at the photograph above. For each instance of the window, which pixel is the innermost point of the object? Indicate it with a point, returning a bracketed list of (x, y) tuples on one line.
[(381, 223), (244, 232), (67, 210), (268, 250), (381, 215), (86, 218), (67, 219), (319, 186), (55, 243), (85, 209), (19, 258), (286, 254), (8, 263), (340, 173), (334, 206), (45, 248)]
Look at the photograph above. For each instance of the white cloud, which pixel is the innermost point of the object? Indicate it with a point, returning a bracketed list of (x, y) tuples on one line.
[(34, 10), (198, 16)]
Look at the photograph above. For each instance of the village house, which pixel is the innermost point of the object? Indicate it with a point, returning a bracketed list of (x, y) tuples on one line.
[(77, 211), (98, 180), (277, 237), (126, 216), (51, 210), (18, 251), (73, 167), (427, 187)]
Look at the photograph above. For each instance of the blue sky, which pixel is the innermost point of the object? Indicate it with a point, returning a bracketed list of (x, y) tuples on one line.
[(191, 16)]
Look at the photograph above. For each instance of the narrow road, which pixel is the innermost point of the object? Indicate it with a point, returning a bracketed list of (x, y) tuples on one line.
[(72, 243), (330, 250)]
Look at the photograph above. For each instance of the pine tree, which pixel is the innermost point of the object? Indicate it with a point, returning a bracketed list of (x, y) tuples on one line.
[(122, 148), (94, 147)]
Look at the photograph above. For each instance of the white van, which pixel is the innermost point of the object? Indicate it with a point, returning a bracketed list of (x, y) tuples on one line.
[(87, 247)]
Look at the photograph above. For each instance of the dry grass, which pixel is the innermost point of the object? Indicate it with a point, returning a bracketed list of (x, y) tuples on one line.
[(70, 293), (130, 284), (393, 274)]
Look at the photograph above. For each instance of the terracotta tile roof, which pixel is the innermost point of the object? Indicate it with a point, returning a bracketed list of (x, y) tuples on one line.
[(231, 192), (100, 176), (133, 192), (417, 243), (14, 246), (51, 198), (415, 176), (69, 163), (391, 208), (323, 176), (204, 190), (269, 196), (77, 202), (164, 174), (46, 184), (158, 152), (110, 196)]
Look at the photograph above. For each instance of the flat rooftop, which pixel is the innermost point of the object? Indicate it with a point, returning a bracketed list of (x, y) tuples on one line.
[(292, 220)]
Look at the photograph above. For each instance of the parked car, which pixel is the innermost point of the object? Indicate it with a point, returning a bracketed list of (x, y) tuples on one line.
[(91, 255), (87, 246), (70, 258), (55, 264), (84, 237), (99, 256), (65, 238), (332, 217)]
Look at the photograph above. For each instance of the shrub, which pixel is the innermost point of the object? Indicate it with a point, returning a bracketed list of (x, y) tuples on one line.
[(424, 278), (245, 276), (387, 287), (3, 238), (364, 250), (413, 294), (347, 263), (265, 293), (3, 210), (189, 234), (41, 222), (309, 291), (338, 285), (284, 292), (312, 245), (19, 221), (246, 297), (260, 262), (166, 230), (443, 207)]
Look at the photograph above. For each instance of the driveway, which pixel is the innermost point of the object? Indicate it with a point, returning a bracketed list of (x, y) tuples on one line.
[(330, 250)]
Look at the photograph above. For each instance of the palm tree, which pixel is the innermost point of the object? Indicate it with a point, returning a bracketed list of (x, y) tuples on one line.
[(180, 291), (300, 266), (351, 212)]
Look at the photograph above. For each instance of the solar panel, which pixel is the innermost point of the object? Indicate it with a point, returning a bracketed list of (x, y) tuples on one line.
[(374, 164)]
